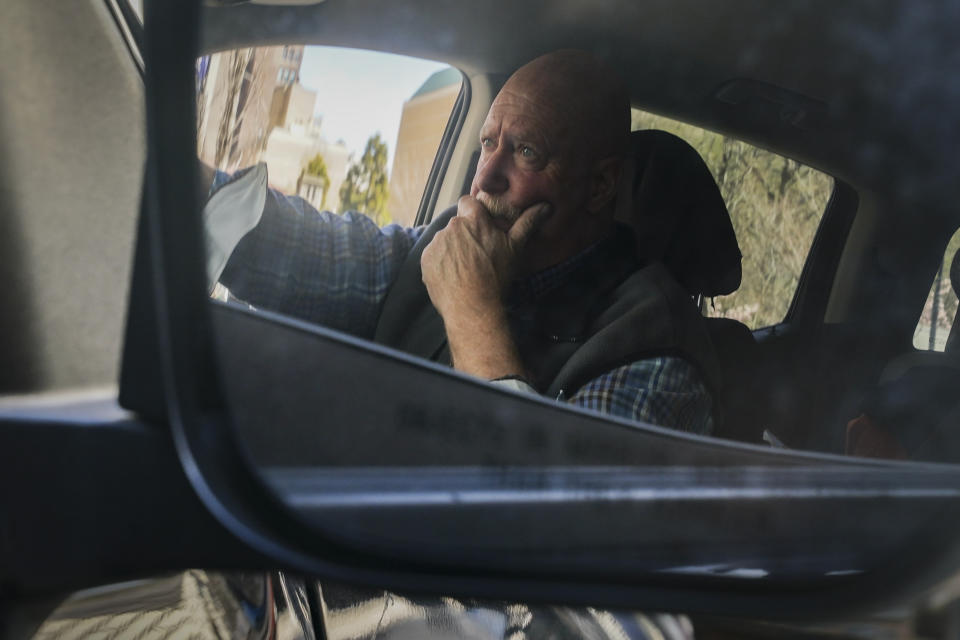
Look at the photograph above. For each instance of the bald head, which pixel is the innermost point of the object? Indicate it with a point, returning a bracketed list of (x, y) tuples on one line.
[(585, 98)]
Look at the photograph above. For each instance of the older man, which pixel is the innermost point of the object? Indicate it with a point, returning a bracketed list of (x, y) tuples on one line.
[(527, 282)]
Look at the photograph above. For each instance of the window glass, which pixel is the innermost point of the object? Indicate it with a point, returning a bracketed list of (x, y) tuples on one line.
[(344, 129), (776, 205), (940, 309)]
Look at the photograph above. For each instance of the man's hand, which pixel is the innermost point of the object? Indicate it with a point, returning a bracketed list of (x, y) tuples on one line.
[(467, 268)]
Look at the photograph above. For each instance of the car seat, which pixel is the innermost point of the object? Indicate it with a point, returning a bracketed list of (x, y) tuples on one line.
[(913, 411), (679, 217)]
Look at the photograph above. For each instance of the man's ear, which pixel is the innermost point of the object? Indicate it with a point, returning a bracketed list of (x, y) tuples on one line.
[(603, 183)]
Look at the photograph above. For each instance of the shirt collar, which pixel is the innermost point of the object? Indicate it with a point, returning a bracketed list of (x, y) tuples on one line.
[(535, 285)]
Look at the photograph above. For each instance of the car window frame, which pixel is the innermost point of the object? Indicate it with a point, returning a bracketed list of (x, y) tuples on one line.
[(812, 295)]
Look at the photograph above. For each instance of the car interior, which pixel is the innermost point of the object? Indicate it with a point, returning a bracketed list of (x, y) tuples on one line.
[(865, 92)]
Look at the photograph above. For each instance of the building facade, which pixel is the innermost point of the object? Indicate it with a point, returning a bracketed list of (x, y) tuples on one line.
[(422, 122), (235, 102)]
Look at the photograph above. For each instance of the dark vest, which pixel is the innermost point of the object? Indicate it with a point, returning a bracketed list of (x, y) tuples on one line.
[(611, 312)]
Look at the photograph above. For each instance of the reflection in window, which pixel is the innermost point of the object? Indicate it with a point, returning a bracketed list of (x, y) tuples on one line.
[(775, 204)]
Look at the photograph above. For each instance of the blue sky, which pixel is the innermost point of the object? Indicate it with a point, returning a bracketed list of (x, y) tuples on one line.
[(362, 92)]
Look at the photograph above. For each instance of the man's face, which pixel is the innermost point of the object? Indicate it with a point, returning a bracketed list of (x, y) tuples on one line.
[(528, 155)]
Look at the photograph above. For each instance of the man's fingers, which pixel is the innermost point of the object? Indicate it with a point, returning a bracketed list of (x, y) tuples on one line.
[(475, 217), (471, 208), (528, 222)]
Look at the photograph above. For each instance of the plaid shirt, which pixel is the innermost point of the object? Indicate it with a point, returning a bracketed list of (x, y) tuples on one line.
[(335, 270)]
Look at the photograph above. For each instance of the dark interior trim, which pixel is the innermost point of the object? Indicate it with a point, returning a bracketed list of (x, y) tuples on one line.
[(809, 305)]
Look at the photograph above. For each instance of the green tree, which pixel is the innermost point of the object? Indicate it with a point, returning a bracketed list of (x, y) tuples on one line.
[(365, 187), (318, 167)]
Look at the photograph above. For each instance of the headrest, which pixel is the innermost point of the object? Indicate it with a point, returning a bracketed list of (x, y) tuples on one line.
[(678, 214)]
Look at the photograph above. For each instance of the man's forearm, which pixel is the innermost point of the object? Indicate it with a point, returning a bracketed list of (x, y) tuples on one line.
[(481, 345), (321, 267)]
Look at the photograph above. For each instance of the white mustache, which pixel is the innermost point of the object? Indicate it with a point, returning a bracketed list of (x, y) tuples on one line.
[(498, 208)]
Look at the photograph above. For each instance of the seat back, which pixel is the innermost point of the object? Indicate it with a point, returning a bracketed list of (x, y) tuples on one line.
[(679, 218), (915, 402)]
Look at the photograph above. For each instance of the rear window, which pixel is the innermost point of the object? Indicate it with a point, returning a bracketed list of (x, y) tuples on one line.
[(775, 204)]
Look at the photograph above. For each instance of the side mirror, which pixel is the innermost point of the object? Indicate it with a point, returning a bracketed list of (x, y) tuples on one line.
[(343, 459)]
